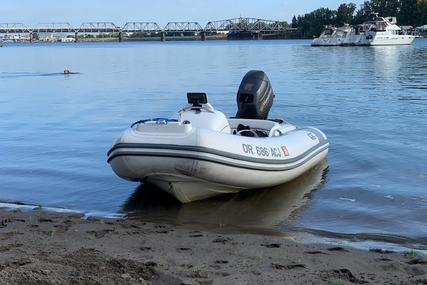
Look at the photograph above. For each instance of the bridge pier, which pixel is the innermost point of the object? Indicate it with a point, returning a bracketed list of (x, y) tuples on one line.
[(120, 36), (256, 35), (31, 37), (163, 36), (76, 37), (203, 36)]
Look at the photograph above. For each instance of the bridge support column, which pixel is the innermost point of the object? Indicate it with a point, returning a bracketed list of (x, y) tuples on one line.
[(203, 36), (76, 37), (256, 35), (163, 36), (120, 36), (31, 37)]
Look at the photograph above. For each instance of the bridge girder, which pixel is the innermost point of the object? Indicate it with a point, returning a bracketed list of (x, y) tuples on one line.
[(183, 27), (246, 25), (13, 28), (98, 27), (242, 24), (269, 26), (142, 27), (53, 28), (218, 26)]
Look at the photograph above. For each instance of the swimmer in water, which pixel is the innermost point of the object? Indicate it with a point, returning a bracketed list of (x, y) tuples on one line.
[(68, 72)]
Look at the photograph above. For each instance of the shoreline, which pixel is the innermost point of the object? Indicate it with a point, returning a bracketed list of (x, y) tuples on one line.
[(399, 244), (39, 247), (169, 39)]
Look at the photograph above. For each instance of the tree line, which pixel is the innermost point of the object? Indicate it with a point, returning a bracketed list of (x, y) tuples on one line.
[(408, 13)]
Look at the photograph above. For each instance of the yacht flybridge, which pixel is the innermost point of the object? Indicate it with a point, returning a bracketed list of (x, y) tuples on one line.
[(203, 153), (379, 31)]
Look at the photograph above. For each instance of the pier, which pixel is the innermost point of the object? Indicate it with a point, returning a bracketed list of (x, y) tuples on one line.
[(237, 28)]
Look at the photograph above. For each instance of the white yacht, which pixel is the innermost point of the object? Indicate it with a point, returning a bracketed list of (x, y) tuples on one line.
[(384, 31), (379, 31), (333, 36)]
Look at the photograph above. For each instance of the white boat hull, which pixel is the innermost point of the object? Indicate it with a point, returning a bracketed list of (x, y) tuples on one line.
[(392, 40), (188, 188), (360, 40), (194, 164)]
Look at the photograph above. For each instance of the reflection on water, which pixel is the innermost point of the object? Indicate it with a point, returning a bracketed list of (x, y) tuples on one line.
[(413, 73), (254, 208), (386, 62)]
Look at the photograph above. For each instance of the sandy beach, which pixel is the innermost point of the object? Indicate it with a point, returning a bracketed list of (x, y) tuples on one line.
[(49, 248)]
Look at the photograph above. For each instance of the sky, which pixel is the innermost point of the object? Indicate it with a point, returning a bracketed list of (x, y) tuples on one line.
[(31, 12)]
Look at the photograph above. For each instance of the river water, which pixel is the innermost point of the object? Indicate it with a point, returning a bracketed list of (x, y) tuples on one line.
[(370, 101)]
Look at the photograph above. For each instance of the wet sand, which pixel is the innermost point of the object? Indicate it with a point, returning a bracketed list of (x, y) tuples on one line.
[(50, 248)]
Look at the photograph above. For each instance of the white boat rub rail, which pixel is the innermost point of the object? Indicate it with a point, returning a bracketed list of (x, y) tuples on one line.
[(218, 156), (229, 163)]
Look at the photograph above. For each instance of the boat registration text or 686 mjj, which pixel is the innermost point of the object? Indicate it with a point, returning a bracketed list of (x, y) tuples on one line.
[(265, 151)]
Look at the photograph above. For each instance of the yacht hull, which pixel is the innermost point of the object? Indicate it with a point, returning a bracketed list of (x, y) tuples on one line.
[(392, 40)]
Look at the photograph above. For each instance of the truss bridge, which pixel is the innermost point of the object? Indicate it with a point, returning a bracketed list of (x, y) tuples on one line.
[(236, 26)]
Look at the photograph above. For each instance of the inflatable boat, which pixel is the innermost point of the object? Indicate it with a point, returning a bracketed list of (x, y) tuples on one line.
[(203, 153)]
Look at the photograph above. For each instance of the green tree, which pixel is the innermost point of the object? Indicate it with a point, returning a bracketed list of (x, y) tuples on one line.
[(345, 14), (312, 24), (294, 22), (364, 13), (325, 15), (421, 13), (385, 8), (408, 12)]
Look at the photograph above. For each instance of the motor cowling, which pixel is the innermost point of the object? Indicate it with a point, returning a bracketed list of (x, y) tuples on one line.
[(255, 96)]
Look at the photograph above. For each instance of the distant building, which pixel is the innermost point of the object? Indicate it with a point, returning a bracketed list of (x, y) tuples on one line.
[(422, 31), (67, 40), (408, 30)]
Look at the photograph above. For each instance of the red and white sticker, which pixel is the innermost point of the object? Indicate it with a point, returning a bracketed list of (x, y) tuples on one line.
[(285, 150)]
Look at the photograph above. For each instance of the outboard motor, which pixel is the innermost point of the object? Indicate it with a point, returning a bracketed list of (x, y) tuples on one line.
[(255, 96)]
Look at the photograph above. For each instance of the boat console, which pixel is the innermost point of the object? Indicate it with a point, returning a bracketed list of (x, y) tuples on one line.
[(201, 114)]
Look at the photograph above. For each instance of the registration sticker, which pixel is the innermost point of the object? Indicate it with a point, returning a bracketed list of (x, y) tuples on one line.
[(285, 150)]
